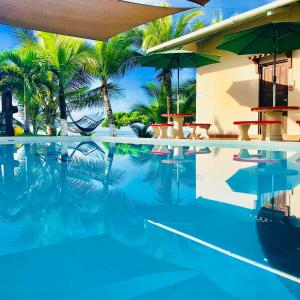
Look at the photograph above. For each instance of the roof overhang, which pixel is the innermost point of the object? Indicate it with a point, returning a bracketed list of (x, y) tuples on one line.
[(92, 19), (208, 31)]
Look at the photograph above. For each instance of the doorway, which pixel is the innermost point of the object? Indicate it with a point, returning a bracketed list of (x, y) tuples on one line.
[(266, 84), (266, 87)]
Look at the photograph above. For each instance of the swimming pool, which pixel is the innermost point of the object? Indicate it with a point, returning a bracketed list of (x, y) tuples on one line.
[(88, 220)]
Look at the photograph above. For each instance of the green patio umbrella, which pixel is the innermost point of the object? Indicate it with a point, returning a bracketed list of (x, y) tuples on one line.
[(178, 59), (272, 38)]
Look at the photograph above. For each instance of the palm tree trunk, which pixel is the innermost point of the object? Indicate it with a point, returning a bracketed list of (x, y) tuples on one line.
[(63, 111), (167, 82), (50, 121), (34, 127), (51, 131), (26, 113), (26, 119), (26, 116), (50, 114), (109, 113)]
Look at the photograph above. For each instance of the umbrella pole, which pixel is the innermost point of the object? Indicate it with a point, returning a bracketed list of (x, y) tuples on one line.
[(275, 41), (274, 81), (178, 90)]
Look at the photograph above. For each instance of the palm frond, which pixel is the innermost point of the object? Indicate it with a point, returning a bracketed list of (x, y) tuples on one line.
[(27, 37), (141, 130)]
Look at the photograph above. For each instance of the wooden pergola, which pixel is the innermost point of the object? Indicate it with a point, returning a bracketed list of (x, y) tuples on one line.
[(92, 19)]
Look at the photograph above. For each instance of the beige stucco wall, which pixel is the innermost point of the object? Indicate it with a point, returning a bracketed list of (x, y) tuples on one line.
[(227, 91)]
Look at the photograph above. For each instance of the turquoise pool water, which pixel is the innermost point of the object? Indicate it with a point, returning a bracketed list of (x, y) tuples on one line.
[(117, 221)]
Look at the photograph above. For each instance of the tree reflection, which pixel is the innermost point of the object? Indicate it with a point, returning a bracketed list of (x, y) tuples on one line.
[(53, 199), (167, 173)]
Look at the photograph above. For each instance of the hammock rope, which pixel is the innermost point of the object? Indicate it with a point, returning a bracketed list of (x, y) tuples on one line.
[(87, 124)]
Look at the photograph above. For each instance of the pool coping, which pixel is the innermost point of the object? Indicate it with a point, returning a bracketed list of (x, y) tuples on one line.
[(262, 145)]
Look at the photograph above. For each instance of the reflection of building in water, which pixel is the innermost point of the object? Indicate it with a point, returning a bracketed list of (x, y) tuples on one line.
[(287, 202), (212, 171), (294, 202), (250, 179)]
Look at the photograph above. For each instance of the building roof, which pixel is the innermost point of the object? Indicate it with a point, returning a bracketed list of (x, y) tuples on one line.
[(92, 19), (208, 31)]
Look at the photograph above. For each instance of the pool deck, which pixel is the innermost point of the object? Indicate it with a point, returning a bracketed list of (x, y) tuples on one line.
[(262, 145)]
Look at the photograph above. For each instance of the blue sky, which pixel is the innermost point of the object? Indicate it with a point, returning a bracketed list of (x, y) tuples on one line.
[(135, 79)]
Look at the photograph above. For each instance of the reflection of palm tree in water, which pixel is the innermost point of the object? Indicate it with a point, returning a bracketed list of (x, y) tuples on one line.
[(108, 169), (158, 175), (47, 195)]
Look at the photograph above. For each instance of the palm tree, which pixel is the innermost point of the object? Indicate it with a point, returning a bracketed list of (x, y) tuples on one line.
[(23, 73), (156, 93), (69, 60), (187, 95), (163, 30), (157, 97), (141, 130), (112, 59)]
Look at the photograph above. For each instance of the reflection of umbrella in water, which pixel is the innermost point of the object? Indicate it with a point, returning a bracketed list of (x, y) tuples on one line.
[(280, 241), (264, 179)]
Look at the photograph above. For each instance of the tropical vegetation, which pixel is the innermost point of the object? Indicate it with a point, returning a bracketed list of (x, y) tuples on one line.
[(123, 119), (163, 30), (157, 100), (111, 60), (51, 76)]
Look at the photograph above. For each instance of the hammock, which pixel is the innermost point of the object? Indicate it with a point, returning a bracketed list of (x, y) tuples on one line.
[(86, 124)]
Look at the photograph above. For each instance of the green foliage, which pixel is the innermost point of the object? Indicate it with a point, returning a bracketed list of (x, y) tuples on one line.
[(50, 74), (123, 119), (141, 130), (24, 73), (156, 95), (110, 61), (160, 31), (187, 102), (42, 72), (166, 29), (157, 98)]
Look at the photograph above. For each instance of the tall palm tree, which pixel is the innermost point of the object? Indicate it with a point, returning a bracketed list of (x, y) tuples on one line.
[(69, 61), (112, 59), (23, 73), (163, 30)]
